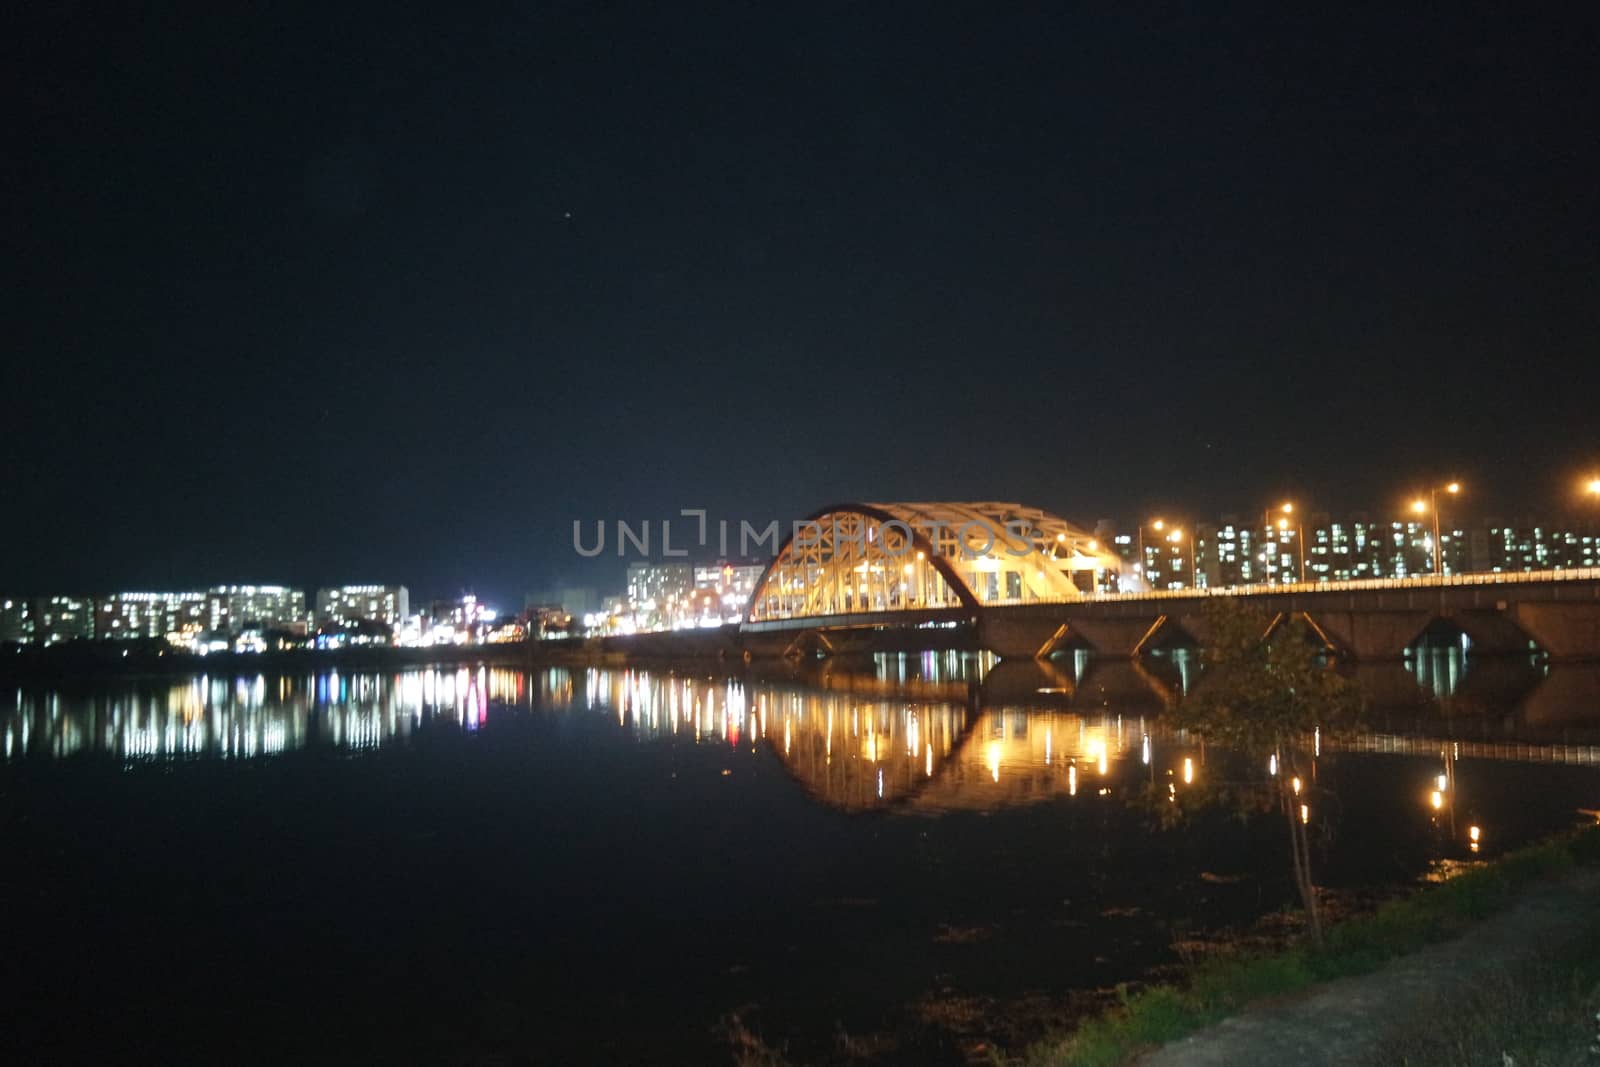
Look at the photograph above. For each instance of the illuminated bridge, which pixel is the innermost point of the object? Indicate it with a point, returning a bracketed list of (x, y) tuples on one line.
[(1023, 583)]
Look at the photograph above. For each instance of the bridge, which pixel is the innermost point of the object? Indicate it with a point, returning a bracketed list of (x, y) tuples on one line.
[(1022, 583)]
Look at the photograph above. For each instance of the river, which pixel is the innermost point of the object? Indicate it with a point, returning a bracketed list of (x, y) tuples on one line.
[(902, 860)]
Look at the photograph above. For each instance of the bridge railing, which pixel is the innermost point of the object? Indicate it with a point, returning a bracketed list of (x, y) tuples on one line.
[(1427, 581)]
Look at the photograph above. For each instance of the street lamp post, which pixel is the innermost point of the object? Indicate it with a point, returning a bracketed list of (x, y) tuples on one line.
[(1144, 579), (1433, 505)]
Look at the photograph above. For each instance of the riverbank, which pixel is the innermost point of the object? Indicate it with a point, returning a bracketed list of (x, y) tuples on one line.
[(100, 660), (1432, 961), (107, 659)]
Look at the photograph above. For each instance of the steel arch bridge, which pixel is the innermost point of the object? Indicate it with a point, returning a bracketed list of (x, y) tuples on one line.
[(852, 563)]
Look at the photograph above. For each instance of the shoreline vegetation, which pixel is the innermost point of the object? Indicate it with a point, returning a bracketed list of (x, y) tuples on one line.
[(1223, 986)]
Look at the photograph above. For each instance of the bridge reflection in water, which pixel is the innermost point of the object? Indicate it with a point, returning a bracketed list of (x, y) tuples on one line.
[(918, 733), (912, 756)]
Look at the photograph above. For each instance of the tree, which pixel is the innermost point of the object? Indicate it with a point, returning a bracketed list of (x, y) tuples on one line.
[(1266, 695)]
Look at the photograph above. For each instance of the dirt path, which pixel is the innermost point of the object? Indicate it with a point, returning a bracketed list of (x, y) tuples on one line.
[(1349, 1021)]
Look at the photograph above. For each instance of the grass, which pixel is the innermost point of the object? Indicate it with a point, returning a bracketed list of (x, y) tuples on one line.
[(1221, 987)]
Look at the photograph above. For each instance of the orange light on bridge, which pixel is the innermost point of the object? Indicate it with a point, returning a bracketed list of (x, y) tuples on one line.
[(1419, 506), (1593, 488)]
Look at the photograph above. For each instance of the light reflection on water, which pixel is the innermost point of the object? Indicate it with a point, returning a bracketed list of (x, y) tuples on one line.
[(226, 718), (929, 733), (933, 814)]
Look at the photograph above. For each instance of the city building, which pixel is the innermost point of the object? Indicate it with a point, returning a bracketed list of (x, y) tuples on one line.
[(62, 618), (1529, 545), (1279, 556), (576, 601), (1341, 551), (548, 620), (659, 593), (16, 621), (231, 609), (1169, 557), (180, 618), (1227, 552), (347, 605), (462, 621), (732, 585)]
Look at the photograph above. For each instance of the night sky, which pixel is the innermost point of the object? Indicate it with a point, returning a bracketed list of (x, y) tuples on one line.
[(323, 293)]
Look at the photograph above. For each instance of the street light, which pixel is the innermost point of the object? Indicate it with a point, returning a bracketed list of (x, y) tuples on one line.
[(1432, 505)]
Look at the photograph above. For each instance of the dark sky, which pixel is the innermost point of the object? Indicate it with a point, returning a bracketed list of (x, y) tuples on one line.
[(326, 293)]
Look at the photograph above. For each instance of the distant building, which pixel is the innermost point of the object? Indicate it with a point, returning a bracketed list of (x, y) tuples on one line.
[(232, 609), (1340, 551), (347, 605), (1226, 553), (1529, 545), (1168, 560), (461, 621), (548, 620), (732, 584), (16, 621), (62, 618), (574, 600), (1356, 547), (1279, 555), (659, 593), (179, 617)]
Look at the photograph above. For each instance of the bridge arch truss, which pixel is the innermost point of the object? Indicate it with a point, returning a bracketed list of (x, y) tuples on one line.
[(866, 559)]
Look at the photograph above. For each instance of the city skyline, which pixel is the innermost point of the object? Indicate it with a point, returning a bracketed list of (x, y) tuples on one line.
[(1577, 508), (1284, 544)]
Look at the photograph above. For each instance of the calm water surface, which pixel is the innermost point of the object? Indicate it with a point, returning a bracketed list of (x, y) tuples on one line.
[(894, 862)]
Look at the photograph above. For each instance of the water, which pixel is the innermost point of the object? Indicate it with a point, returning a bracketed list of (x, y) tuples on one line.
[(896, 862)]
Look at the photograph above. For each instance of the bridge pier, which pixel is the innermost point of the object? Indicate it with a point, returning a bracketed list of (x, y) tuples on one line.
[(1566, 631), (1013, 637), (1371, 635), (1122, 638)]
